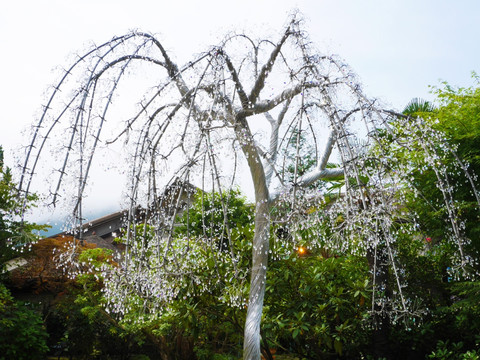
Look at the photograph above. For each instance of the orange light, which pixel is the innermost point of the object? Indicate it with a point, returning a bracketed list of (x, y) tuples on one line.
[(301, 250)]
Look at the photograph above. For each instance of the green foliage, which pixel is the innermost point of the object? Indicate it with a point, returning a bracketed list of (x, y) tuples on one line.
[(210, 319), (433, 175), (199, 322), (212, 215), (452, 351), (425, 254), (82, 329), (14, 234), (418, 106), (22, 334), (458, 320), (458, 117), (212, 327), (467, 306), (95, 258), (78, 323), (316, 307)]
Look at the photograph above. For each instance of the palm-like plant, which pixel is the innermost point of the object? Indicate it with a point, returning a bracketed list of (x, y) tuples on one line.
[(417, 105)]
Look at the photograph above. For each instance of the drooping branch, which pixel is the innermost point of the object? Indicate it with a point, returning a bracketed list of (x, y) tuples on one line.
[(84, 177), (111, 44)]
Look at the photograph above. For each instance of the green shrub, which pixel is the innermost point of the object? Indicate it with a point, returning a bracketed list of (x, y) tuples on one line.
[(453, 351), (316, 307), (22, 334)]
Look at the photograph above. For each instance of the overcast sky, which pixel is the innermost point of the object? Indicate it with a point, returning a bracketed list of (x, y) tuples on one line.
[(398, 48)]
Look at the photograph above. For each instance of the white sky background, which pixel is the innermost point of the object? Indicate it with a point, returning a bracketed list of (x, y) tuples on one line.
[(397, 48)]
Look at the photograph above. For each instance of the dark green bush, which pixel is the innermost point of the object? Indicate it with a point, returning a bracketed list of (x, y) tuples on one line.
[(22, 334), (316, 307)]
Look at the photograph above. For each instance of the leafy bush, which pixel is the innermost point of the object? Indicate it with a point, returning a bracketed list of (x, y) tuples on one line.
[(453, 351), (316, 306), (22, 334)]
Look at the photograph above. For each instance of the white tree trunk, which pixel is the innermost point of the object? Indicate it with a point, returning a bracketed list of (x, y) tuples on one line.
[(251, 342)]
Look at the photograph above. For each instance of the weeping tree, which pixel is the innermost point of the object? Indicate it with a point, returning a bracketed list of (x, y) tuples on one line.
[(247, 106)]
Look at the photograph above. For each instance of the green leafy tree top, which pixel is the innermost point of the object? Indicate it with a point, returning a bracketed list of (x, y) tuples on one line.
[(215, 215)]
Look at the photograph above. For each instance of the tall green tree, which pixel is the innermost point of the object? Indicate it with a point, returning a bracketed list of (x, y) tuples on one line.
[(15, 234), (22, 334)]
